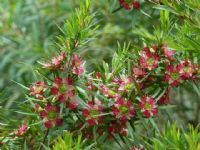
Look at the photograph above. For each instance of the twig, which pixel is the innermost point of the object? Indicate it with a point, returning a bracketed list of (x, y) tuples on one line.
[(45, 137)]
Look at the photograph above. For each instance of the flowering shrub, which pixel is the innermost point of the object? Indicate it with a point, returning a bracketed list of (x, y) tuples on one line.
[(108, 102)]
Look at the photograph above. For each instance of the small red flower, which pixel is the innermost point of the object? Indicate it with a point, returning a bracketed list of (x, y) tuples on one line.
[(126, 84), (139, 72), (117, 128), (21, 130), (167, 51), (137, 148), (91, 86), (108, 92), (38, 89), (173, 75), (92, 112), (187, 69), (124, 110), (50, 115), (98, 75), (149, 60), (164, 100), (63, 88), (128, 4), (88, 133), (56, 62), (148, 106), (72, 103), (78, 65), (136, 5)]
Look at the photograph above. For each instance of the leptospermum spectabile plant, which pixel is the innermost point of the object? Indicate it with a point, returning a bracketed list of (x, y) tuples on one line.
[(102, 104)]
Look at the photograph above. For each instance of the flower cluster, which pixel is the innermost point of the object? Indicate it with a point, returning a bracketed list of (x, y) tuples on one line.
[(161, 60), (129, 4), (60, 89), (109, 103)]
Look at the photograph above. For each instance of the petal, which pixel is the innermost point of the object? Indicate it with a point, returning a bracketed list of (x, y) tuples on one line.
[(43, 114), (59, 121), (48, 124), (54, 90)]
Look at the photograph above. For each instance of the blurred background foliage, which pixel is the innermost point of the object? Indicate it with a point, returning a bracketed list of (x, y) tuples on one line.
[(28, 30)]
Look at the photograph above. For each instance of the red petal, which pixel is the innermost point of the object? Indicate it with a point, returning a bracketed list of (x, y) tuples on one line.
[(59, 122), (85, 112), (49, 107), (58, 80), (115, 111), (62, 98), (48, 124), (92, 122), (54, 90), (43, 114), (147, 114)]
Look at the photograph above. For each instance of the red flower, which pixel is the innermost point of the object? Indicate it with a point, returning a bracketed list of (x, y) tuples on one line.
[(137, 148), (91, 86), (187, 69), (149, 60), (92, 112), (165, 98), (72, 103), (117, 128), (136, 5), (21, 130), (139, 72), (56, 62), (173, 75), (63, 88), (148, 106), (38, 89), (50, 115), (126, 84), (128, 4), (108, 92), (88, 133), (78, 65), (167, 51), (124, 110)]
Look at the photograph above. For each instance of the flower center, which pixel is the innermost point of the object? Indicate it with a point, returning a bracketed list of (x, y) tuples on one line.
[(38, 89), (63, 88), (150, 61), (112, 93), (129, 86), (94, 113), (148, 106), (123, 109), (175, 75), (187, 69), (52, 115)]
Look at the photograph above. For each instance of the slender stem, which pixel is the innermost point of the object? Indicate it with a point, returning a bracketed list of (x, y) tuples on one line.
[(45, 137), (117, 9)]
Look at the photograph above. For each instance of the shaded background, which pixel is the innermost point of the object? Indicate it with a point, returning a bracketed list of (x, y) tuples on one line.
[(28, 30)]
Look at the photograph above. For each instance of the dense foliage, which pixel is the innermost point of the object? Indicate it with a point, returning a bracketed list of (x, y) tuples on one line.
[(114, 101)]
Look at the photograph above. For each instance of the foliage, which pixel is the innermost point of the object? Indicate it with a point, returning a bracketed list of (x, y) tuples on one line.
[(174, 138), (112, 103)]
